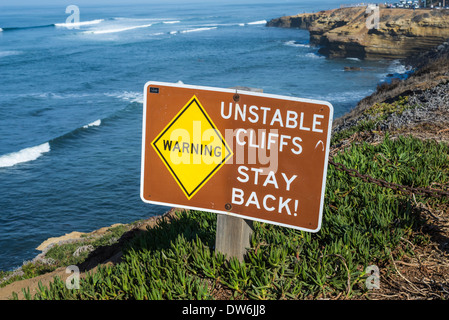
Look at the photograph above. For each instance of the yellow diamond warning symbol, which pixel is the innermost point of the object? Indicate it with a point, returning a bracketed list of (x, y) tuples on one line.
[(192, 148)]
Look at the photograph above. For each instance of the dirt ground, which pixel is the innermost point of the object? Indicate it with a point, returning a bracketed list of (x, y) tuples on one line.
[(426, 274)]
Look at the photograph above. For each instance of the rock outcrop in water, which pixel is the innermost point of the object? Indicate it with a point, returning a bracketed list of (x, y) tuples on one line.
[(401, 33)]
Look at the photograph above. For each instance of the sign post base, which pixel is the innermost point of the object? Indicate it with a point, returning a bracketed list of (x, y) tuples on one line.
[(233, 236)]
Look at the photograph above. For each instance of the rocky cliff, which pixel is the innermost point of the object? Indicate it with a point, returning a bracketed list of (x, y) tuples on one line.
[(401, 33)]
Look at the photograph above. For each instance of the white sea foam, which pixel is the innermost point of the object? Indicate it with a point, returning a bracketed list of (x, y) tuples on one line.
[(127, 96), (103, 31), (9, 53), (314, 56), (257, 22), (241, 24), (52, 95), (133, 19), (96, 123), (161, 20), (171, 22), (78, 24), (232, 24), (198, 29), (1, 29), (397, 67), (292, 43), (173, 32), (354, 59), (345, 96), (24, 155)]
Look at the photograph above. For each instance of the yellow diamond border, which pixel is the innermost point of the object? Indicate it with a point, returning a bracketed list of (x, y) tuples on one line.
[(189, 195)]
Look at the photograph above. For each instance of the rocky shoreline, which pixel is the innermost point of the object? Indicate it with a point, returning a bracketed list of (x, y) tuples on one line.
[(423, 99), (343, 32)]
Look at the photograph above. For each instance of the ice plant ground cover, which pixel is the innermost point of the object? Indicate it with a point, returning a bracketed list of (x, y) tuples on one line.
[(363, 225)]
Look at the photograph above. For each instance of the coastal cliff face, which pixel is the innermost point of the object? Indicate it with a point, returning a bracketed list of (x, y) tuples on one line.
[(401, 33)]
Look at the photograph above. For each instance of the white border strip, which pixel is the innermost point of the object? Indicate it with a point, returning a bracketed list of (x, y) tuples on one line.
[(252, 93)]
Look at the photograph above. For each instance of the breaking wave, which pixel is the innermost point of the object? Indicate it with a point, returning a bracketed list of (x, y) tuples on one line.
[(96, 123), (33, 153), (397, 67), (257, 22), (9, 53), (128, 96), (25, 28), (314, 55), (198, 29), (115, 30), (79, 24), (64, 25), (24, 155), (292, 43)]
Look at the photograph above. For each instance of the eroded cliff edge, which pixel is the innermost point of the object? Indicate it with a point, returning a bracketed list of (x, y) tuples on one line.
[(342, 32)]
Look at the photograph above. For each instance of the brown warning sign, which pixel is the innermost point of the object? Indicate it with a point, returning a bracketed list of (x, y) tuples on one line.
[(256, 156)]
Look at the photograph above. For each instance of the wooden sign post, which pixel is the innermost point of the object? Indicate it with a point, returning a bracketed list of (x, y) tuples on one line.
[(238, 153), (233, 236)]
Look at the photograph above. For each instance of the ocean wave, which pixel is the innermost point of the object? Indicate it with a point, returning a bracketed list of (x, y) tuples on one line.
[(314, 56), (24, 155), (292, 43), (345, 96), (128, 96), (198, 29), (104, 31), (78, 24), (66, 25), (397, 67), (232, 24), (131, 19), (33, 153), (257, 22), (27, 27), (53, 95), (96, 123), (9, 53), (171, 22), (139, 19)]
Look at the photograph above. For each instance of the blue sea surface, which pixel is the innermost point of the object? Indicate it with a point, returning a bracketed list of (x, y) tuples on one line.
[(71, 99)]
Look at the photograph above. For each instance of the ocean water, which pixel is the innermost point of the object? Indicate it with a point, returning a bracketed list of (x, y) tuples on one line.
[(71, 99)]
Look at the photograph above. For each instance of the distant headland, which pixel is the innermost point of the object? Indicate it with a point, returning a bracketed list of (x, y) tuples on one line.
[(372, 31)]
